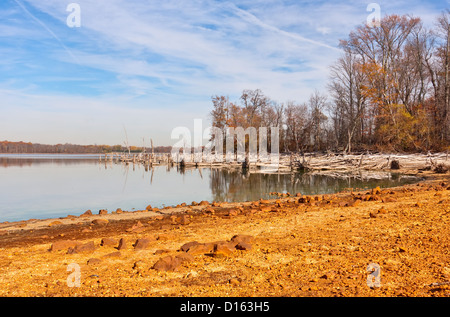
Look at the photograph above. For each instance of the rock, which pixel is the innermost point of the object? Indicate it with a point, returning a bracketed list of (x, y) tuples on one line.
[(165, 237), (119, 211), (376, 197), (115, 254), (167, 263), (203, 203), (161, 251), (222, 250), (138, 227), (138, 265), (184, 220), (102, 212), (93, 261), (100, 222), (185, 247), (232, 213), (388, 200), (149, 208), (82, 248), (87, 213), (372, 215), (242, 238), (122, 244), (54, 223), (143, 243), (63, 245), (108, 242), (243, 246), (201, 248), (209, 210), (209, 247), (354, 203), (376, 190), (185, 257)]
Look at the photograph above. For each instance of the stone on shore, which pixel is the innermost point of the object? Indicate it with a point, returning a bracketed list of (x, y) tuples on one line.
[(87, 213), (93, 261), (185, 247), (122, 244), (63, 245), (171, 263), (167, 263), (222, 249), (143, 243), (138, 227), (82, 248), (242, 238), (108, 242), (100, 222)]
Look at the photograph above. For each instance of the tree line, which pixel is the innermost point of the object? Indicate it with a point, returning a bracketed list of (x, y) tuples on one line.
[(388, 91), (29, 148)]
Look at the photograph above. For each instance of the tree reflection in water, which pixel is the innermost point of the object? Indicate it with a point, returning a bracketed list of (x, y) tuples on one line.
[(234, 185)]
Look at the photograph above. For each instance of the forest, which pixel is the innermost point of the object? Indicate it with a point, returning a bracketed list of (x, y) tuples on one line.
[(388, 91), (28, 147)]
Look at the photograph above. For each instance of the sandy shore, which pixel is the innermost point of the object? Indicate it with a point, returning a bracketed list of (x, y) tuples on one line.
[(290, 246)]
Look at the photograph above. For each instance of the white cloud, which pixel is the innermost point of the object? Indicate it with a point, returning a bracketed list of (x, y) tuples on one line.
[(165, 59)]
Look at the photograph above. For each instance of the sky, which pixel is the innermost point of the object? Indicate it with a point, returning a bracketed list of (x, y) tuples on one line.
[(116, 71)]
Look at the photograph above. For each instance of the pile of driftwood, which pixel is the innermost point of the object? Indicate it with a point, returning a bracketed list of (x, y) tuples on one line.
[(313, 162), (367, 161)]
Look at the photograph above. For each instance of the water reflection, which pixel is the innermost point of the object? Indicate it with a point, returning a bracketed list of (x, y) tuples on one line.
[(22, 160), (238, 186)]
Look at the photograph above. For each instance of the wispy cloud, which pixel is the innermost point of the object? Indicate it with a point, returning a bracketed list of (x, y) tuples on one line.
[(46, 28), (163, 60)]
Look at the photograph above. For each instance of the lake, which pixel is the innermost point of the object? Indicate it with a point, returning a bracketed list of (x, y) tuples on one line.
[(50, 186)]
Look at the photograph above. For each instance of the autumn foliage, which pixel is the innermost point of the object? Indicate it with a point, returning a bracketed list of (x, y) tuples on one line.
[(388, 91)]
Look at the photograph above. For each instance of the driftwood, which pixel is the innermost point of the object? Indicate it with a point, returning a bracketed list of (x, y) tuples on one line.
[(351, 162), (299, 162)]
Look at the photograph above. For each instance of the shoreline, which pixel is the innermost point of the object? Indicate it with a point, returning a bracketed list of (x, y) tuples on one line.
[(33, 223), (317, 245)]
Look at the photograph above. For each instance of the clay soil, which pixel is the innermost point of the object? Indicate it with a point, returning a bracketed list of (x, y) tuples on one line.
[(302, 246)]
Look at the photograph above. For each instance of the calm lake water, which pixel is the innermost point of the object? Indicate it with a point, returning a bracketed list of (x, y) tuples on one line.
[(47, 186)]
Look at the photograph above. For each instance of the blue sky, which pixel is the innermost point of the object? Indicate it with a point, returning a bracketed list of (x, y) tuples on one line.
[(151, 66)]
